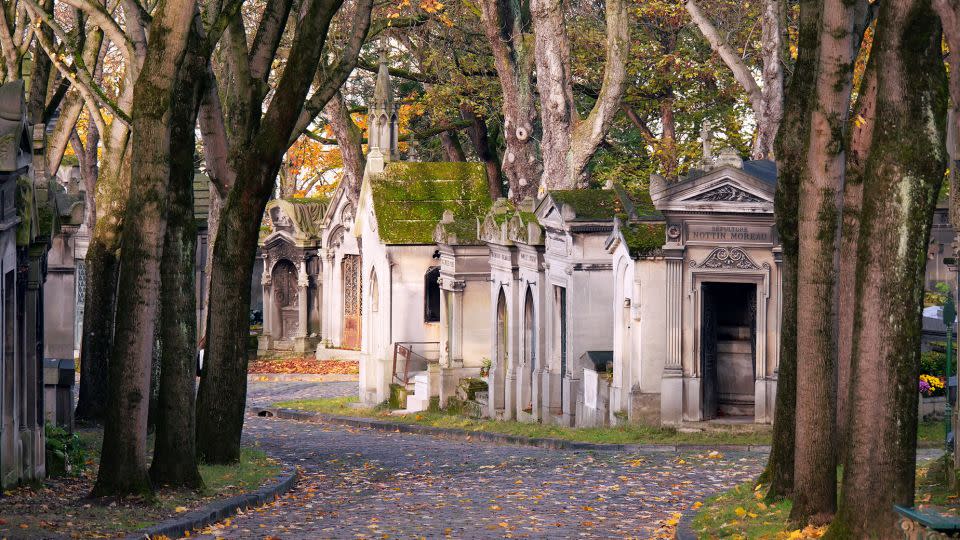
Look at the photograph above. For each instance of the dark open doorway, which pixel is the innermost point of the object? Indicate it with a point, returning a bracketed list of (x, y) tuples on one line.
[(728, 349)]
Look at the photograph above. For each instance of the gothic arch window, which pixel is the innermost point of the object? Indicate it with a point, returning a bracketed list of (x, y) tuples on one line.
[(374, 292), (431, 295)]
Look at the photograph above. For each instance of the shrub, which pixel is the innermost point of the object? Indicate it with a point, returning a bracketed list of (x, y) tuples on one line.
[(65, 453)]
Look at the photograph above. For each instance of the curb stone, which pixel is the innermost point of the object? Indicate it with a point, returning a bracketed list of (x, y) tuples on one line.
[(483, 436), (684, 530), (219, 510)]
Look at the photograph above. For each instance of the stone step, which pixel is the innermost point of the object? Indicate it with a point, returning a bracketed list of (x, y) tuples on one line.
[(733, 332), (734, 346)]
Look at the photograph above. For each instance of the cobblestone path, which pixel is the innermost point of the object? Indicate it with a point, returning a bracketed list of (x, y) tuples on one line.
[(266, 393), (361, 483)]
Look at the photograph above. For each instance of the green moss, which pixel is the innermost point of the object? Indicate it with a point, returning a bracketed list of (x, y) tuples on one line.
[(644, 239), (308, 200), (33, 220), (590, 204), (410, 198)]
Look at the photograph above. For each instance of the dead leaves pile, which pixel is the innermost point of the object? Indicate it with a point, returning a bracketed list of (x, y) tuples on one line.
[(305, 366)]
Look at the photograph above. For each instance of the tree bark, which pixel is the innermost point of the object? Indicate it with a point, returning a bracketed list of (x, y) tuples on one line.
[(567, 142), (767, 101), (792, 140), (486, 152), (123, 468), (451, 146), (101, 269), (949, 13), (222, 395), (861, 133), (506, 24), (821, 203), (901, 181), (175, 449), (349, 139)]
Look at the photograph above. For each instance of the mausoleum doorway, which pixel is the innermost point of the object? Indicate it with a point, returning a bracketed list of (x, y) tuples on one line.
[(352, 287), (284, 278), (728, 324), (529, 351), (503, 356)]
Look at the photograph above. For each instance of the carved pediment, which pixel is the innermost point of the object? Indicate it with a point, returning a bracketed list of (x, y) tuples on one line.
[(724, 258), (726, 193)]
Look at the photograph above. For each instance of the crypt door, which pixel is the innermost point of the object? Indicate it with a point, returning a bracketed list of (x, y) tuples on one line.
[(728, 349), (286, 295), (352, 288)]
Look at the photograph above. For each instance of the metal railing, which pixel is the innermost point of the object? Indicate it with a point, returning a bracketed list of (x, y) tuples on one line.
[(412, 356)]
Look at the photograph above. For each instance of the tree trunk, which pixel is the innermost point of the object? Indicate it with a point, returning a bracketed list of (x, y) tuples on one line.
[(451, 146), (567, 142), (765, 102), (507, 26), (222, 395), (791, 164), (861, 132), (349, 139), (668, 142), (175, 449), (821, 203), (101, 269), (486, 152), (901, 181), (949, 13), (772, 45), (223, 386), (123, 467)]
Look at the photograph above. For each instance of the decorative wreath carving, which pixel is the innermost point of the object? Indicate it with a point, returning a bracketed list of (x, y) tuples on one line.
[(723, 258)]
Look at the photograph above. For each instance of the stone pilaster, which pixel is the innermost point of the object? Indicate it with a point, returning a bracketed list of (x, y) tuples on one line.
[(671, 393)]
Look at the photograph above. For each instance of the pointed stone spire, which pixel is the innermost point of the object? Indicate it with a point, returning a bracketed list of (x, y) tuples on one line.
[(382, 121)]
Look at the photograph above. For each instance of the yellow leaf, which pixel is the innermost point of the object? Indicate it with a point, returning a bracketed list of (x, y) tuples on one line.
[(740, 512), (761, 506), (697, 505), (494, 507), (180, 509)]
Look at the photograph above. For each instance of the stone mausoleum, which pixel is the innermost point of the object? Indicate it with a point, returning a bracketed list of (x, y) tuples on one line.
[(291, 276)]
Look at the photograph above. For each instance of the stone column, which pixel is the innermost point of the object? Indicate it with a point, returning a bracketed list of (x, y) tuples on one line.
[(671, 389), (445, 329), (456, 336), (303, 283), (326, 308), (266, 336)]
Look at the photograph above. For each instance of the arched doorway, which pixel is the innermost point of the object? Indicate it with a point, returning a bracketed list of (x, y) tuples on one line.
[(352, 287), (285, 297), (372, 325), (529, 348), (501, 356)]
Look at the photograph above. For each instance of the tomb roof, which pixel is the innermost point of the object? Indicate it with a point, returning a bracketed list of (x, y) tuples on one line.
[(411, 198), (644, 239)]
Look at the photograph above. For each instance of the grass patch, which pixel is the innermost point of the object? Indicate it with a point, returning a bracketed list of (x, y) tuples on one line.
[(625, 434), (931, 434), (742, 513)]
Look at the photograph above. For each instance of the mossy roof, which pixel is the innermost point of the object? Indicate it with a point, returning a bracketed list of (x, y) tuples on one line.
[(410, 198), (644, 239), (605, 204)]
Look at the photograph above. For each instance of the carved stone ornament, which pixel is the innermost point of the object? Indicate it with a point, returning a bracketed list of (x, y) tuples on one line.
[(727, 193), (673, 232), (723, 258)]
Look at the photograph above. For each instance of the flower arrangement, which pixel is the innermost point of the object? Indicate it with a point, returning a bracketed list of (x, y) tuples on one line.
[(485, 367), (930, 385)]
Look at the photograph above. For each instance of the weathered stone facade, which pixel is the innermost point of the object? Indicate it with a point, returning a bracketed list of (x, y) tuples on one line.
[(291, 278), (25, 226)]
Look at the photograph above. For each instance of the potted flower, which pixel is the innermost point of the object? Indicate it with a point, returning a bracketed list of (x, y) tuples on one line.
[(485, 367)]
